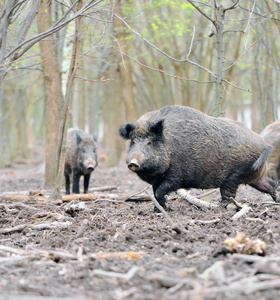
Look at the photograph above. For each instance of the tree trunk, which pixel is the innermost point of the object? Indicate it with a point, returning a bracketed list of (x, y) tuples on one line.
[(219, 24), (53, 93), (81, 89), (125, 71)]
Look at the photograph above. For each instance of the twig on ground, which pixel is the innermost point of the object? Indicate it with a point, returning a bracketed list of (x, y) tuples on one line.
[(195, 201), (270, 203), (245, 209), (53, 225), (263, 212), (118, 255), (253, 258), (237, 204), (126, 277), (255, 220), (110, 200), (176, 227), (206, 194), (204, 221), (19, 205), (136, 193), (11, 250), (262, 267), (42, 226), (13, 229)]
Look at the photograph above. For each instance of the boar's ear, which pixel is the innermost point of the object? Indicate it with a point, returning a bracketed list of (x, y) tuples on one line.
[(125, 130), (157, 127), (94, 137), (79, 139)]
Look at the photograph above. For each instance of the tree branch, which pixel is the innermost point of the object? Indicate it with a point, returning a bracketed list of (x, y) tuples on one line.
[(162, 52), (201, 11), (233, 6)]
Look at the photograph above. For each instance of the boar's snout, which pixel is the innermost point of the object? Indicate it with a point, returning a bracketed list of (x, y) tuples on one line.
[(90, 168), (89, 165), (133, 165)]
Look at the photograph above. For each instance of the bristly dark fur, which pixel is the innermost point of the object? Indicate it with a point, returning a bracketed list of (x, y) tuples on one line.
[(80, 154), (180, 147)]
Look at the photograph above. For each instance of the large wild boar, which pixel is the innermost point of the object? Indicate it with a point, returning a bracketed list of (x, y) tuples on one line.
[(80, 160), (271, 134), (180, 147)]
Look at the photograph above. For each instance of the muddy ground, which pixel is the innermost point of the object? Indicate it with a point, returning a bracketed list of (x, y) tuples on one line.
[(109, 249)]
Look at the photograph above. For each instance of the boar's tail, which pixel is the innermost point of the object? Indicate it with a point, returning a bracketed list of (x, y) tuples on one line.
[(259, 162)]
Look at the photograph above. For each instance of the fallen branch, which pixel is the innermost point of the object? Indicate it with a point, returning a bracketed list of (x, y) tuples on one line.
[(270, 203), (262, 267), (195, 201), (126, 277), (42, 226), (19, 205), (204, 222), (237, 204), (53, 225), (255, 220), (253, 258), (12, 250), (247, 286), (17, 228), (119, 255), (110, 200), (16, 260), (20, 197), (67, 198), (245, 209)]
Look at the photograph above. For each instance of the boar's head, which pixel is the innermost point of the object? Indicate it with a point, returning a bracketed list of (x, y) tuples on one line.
[(86, 153), (147, 154)]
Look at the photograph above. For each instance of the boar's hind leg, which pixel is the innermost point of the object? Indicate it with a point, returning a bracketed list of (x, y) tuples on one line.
[(86, 182), (161, 190), (227, 193)]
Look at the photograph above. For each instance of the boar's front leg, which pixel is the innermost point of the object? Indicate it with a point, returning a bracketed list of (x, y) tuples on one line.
[(67, 183), (76, 182), (67, 173), (227, 192), (86, 182), (162, 189)]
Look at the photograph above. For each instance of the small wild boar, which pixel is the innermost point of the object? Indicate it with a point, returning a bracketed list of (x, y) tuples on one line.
[(180, 147), (81, 159), (271, 134)]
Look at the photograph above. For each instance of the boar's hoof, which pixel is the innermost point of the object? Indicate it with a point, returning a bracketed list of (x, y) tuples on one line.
[(133, 165), (224, 204), (156, 210)]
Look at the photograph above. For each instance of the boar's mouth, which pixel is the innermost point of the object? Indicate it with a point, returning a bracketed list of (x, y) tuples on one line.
[(133, 165)]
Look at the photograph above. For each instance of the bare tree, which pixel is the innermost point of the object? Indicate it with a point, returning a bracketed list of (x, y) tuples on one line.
[(53, 92)]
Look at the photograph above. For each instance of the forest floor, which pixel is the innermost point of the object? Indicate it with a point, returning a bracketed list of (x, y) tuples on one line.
[(108, 248)]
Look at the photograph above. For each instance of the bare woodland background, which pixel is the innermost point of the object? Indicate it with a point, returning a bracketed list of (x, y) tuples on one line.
[(133, 56)]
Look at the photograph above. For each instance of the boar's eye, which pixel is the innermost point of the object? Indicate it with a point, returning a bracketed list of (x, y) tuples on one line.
[(84, 150), (149, 143)]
